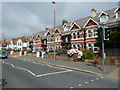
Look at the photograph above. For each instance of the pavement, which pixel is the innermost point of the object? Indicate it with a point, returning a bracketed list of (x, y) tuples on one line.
[(109, 71)]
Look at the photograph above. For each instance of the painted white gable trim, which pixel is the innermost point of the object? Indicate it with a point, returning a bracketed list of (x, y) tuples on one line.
[(102, 13), (47, 33), (88, 22), (57, 29), (116, 9), (73, 25), (33, 36), (38, 34)]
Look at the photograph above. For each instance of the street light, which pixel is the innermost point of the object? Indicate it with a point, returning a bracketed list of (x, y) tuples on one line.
[(54, 27)]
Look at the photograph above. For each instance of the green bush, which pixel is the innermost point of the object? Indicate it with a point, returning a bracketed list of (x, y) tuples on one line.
[(9, 49), (62, 52), (88, 54)]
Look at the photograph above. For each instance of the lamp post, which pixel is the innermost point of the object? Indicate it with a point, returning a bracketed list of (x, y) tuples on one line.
[(54, 27)]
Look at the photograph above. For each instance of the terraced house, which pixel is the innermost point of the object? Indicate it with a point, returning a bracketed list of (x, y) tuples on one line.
[(80, 34)]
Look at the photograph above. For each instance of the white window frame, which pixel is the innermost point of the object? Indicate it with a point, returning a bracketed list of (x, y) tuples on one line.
[(104, 18), (118, 14), (95, 32), (95, 47), (89, 33), (89, 47)]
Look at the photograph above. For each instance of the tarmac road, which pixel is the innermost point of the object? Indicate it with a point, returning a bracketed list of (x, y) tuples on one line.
[(20, 73)]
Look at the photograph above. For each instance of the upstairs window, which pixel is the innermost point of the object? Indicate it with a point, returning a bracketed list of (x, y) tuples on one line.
[(95, 47), (78, 35), (89, 46), (95, 32), (74, 36), (89, 33), (103, 18)]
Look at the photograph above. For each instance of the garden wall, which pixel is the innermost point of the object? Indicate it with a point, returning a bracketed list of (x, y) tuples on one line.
[(59, 57)]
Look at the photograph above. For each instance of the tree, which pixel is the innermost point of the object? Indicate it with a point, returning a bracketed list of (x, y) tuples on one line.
[(114, 40)]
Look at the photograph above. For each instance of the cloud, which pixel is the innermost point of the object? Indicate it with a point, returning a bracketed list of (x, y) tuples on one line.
[(26, 18)]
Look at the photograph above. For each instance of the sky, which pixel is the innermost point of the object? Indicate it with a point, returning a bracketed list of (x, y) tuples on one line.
[(27, 18)]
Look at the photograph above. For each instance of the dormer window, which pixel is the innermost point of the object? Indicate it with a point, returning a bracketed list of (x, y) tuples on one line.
[(118, 14), (66, 28), (117, 11), (103, 16)]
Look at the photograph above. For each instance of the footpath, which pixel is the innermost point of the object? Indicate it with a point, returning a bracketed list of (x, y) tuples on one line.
[(110, 71)]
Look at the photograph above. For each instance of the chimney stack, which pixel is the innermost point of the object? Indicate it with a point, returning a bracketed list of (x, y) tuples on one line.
[(93, 13)]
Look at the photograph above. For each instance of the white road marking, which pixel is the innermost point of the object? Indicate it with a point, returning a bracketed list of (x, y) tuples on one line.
[(86, 82), (14, 56), (79, 85), (97, 79), (92, 80), (52, 73), (21, 69), (49, 66), (40, 74), (71, 87), (26, 59), (38, 63)]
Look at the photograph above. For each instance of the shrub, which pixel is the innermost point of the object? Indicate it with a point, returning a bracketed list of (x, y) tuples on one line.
[(62, 52), (9, 49), (88, 54)]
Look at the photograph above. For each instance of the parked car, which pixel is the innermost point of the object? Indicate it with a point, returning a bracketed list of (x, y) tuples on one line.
[(3, 54), (29, 51), (51, 52)]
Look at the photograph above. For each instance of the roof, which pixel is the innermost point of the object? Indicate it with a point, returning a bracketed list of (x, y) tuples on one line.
[(14, 40), (82, 21), (8, 42), (23, 39), (3, 43)]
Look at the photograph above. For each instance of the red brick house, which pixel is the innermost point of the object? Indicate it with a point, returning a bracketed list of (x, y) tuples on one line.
[(80, 34)]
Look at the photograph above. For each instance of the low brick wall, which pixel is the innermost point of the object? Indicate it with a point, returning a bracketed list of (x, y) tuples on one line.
[(59, 57), (31, 54), (113, 60), (110, 60), (15, 53)]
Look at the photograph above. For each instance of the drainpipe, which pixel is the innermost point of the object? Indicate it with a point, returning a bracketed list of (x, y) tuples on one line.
[(84, 38)]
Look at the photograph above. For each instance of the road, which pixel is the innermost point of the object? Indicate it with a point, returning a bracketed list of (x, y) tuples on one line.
[(20, 73)]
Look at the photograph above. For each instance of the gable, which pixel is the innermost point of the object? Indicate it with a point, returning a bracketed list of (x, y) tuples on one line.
[(56, 31), (38, 36), (19, 40), (118, 9), (102, 14), (90, 23), (74, 27), (48, 34)]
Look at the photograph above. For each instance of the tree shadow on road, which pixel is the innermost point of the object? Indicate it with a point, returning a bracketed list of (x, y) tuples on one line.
[(95, 65)]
